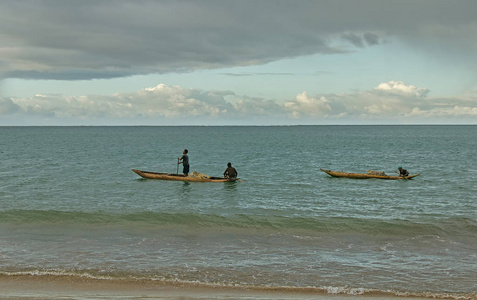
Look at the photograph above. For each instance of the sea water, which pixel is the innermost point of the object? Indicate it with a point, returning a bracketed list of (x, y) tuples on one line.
[(71, 206)]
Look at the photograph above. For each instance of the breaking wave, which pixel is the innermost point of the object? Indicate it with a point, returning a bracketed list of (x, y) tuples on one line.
[(195, 221)]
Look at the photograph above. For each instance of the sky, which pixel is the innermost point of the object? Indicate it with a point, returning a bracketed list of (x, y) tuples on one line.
[(228, 62)]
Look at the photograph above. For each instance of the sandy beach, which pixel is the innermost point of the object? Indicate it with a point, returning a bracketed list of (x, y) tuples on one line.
[(66, 287)]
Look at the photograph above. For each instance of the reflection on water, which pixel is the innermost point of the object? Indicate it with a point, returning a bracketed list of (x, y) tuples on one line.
[(186, 189), (230, 186)]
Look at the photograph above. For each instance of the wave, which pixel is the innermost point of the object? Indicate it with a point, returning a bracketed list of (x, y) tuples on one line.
[(282, 224), (137, 282)]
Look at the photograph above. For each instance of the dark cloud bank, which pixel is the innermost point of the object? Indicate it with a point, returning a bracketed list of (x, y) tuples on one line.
[(77, 40)]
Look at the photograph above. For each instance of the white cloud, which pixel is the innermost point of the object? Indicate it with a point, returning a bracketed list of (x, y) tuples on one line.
[(446, 112), (308, 106), (391, 102), (7, 106), (400, 88)]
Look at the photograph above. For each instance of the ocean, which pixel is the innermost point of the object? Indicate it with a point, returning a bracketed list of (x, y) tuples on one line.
[(70, 207)]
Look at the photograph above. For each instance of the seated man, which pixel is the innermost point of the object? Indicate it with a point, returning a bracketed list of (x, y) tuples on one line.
[(403, 172), (230, 172)]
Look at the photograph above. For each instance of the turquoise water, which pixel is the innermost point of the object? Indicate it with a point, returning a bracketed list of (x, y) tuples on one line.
[(70, 205)]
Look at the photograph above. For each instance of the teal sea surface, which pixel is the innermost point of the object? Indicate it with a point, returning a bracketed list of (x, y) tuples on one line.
[(71, 206)]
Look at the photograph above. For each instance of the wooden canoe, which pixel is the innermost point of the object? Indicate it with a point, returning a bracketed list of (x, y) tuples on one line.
[(180, 177), (365, 176)]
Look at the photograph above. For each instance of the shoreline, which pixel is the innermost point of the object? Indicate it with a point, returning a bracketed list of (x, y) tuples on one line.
[(40, 287)]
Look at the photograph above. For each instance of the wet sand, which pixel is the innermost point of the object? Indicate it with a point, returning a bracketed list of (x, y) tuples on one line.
[(65, 287)]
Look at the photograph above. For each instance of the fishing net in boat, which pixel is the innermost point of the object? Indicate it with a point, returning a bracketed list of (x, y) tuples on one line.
[(196, 174), (379, 173)]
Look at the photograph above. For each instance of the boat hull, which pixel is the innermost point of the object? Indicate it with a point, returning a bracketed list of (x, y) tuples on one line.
[(366, 176), (180, 177)]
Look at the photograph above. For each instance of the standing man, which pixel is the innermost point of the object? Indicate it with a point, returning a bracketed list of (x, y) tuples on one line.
[(230, 172), (184, 160)]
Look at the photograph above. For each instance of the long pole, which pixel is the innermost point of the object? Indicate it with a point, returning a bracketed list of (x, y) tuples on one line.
[(177, 172)]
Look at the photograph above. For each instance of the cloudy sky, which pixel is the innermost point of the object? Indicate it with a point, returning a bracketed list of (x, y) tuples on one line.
[(228, 62)]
